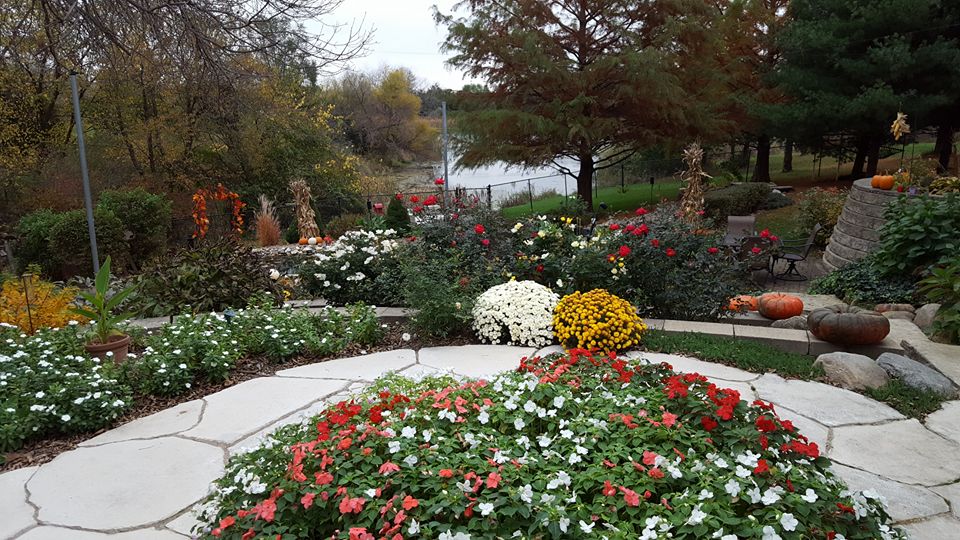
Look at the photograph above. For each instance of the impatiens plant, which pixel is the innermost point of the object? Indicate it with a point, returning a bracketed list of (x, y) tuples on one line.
[(573, 446), (515, 313)]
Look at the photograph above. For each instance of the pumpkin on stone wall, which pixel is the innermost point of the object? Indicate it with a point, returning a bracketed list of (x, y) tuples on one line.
[(848, 325), (882, 181), (779, 306), (744, 302)]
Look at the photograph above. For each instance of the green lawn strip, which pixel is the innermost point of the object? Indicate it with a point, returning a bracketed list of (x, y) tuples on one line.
[(747, 355), (782, 222), (634, 196), (762, 358), (908, 400)]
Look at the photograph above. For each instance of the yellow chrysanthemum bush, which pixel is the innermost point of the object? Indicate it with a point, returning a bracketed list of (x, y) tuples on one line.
[(597, 320), (49, 305)]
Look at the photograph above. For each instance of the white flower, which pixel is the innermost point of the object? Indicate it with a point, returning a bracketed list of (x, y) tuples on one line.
[(483, 417), (519, 424), (411, 460), (696, 516), (587, 528), (526, 494), (788, 522), (563, 523), (810, 496), (485, 508), (414, 527), (770, 496), (769, 533), (408, 432), (519, 312), (447, 535), (405, 336), (65, 418), (559, 401), (732, 487), (274, 274)]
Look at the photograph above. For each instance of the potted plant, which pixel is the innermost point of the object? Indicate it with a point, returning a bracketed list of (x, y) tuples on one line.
[(107, 340)]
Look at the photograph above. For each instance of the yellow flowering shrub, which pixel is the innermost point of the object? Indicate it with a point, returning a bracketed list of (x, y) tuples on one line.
[(597, 320), (49, 305)]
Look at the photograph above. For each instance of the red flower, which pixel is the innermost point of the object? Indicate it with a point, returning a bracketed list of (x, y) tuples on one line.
[(493, 480), (713, 250), (485, 242), (446, 473), (774, 238), (649, 458), (708, 423), (410, 503), (323, 478), (669, 419), (671, 252), (417, 209), (641, 211), (429, 201), (479, 229), (641, 230), (248, 535), (655, 243), (756, 250), (348, 505), (761, 467), (539, 268), (608, 489), (630, 496), (845, 508), (399, 196), (630, 227), (766, 424), (765, 233), (360, 533), (624, 251), (655, 473), (438, 182), (414, 199), (307, 500), (614, 227)]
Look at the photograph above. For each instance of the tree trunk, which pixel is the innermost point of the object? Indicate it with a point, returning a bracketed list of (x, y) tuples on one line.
[(762, 171), (859, 159), (873, 155), (788, 156), (585, 178), (744, 155), (944, 147)]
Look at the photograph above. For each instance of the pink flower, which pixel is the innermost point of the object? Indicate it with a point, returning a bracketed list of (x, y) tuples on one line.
[(348, 505), (669, 419), (446, 473), (307, 500), (630, 496), (360, 533), (608, 489), (410, 503), (388, 468), (493, 480)]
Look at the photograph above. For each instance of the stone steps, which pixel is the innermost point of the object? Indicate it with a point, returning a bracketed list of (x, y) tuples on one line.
[(857, 231)]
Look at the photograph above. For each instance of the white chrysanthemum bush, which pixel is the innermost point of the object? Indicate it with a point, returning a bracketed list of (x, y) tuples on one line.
[(516, 313), (574, 446)]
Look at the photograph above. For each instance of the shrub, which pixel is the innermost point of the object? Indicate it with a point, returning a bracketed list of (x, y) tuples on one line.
[(597, 320), (360, 266), (775, 200), (441, 292), (554, 449), (515, 313), (919, 232), (821, 206), (49, 305), (339, 225), (212, 276), (33, 232), (943, 287), (70, 243), (397, 217), (735, 200), (291, 234), (863, 283), (146, 217)]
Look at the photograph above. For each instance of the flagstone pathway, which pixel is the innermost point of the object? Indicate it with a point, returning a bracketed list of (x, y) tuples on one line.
[(140, 480)]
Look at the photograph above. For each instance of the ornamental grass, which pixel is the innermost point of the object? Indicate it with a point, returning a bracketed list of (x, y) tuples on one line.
[(567, 446)]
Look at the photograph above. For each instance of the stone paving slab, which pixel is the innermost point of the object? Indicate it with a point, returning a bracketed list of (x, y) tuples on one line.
[(367, 367), (184, 524), (811, 429), (17, 514), (711, 329), (420, 371), (297, 417), (946, 421), (951, 493), (60, 533), (167, 422), (903, 451), (686, 364), (549, 349), (946, 358), (124, 484), (240, 410), (475, 360), (903, 502), (829, 405), (942, 527)]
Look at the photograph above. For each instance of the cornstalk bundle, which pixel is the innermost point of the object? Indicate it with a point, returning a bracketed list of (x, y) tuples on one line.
[(691, 205), (306, 219)]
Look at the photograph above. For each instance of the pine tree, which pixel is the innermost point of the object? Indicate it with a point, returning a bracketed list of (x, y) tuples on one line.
[(397, 217)]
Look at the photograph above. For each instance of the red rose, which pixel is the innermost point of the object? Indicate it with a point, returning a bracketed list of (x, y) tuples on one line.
[(438, 182), (765, 233), (414, 199), (713, 250), (655, 243), (671, 252), (624, 251), (614, 227), (479, 229), (431, 200), (485, 242), (641, 211), (756, 250)]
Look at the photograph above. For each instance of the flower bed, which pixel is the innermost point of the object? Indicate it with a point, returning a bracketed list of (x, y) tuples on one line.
[(575, 446), (49, 385)]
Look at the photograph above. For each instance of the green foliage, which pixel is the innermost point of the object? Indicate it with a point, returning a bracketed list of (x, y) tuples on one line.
[(919, 232), (341, 224), (943, 287), (360, 266), (102, 306), (735, 200), (443, 293), (910, 401), (397, 217), (291, 234), (70, 243), (212, 276), (33, 247), (822, 206), (744, 354), (775, 200), (145, 215), (863, 283)]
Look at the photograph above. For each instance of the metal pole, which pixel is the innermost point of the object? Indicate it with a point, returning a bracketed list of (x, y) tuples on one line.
[(87, 198), (623, 188), (749, 156), (530, 193), (446, 142)]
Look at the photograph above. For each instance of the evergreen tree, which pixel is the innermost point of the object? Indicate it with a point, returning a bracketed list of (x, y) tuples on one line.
[(397, 217)]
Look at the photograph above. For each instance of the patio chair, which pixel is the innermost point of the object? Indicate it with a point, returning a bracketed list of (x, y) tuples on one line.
[(793, 252), (738, 228)]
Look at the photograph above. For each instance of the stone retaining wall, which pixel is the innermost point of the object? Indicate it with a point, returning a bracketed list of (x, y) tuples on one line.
[(858, 229)]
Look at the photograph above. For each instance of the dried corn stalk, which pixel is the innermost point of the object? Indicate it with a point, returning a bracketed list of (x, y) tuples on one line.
[(900, 127), (306, 219), (691, 205)]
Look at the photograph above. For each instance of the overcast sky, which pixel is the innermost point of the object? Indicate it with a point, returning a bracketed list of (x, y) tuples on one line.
[(405, 35)]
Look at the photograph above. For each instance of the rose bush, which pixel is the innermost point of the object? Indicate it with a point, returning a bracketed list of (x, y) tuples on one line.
[(566, 446), (515, 313)]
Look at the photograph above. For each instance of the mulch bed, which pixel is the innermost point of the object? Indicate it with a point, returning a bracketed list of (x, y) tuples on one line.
[(40, 451)]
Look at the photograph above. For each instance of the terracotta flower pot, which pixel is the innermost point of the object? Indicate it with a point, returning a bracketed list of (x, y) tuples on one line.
[(118, 345)]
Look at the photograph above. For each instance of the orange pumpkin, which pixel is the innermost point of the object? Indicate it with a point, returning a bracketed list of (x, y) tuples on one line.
[(302, 241), (882, 181), (743, 302), (779, 306)]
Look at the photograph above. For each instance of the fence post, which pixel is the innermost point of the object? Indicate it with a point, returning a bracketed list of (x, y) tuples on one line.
[(489, 197), (530, 194), (623, 188)]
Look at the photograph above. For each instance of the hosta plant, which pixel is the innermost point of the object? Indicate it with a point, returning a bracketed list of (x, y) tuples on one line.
[(515, 313), (573, 446)]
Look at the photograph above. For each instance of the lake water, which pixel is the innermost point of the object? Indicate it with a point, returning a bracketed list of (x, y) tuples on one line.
[(505, 180)]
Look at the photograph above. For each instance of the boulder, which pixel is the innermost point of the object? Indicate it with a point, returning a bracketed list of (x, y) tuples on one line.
[(797, 322), (893, 307), (905, 315), (852, 371), (915, 374), (925, 315)]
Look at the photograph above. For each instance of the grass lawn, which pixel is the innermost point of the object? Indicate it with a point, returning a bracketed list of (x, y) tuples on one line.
[(781, 222), (634, 196), (805, 167)]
